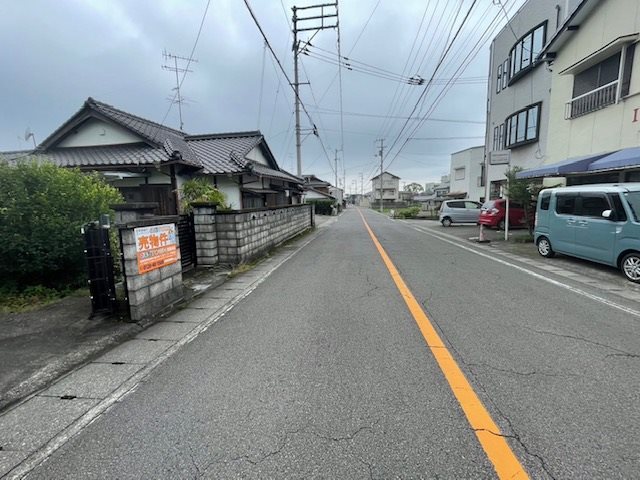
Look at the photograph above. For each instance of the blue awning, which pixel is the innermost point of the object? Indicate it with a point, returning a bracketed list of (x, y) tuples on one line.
[(571, 165), (627, 157)]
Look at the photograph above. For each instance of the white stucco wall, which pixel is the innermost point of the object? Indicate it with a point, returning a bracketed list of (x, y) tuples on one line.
[(96, 132), (612, 127), (257, 156), (471, 161), (229, 187)]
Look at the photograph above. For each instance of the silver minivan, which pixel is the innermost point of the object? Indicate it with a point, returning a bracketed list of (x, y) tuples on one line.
[(600, 223), (459, 211)]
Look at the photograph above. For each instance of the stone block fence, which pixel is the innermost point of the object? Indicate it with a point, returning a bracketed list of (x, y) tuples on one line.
[(225, 237)]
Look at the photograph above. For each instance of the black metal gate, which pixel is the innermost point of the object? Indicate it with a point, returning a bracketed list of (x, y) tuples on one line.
[(187, 238), (97, 249)]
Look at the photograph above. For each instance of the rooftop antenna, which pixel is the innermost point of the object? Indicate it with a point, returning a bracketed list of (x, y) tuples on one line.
[(29, 134), (178, 98)]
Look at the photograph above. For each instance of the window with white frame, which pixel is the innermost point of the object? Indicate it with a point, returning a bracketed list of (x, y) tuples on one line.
[(499, 79), (459, 173), (524, 53)]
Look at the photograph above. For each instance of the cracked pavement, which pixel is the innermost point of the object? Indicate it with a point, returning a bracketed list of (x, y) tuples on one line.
[(322, 373)]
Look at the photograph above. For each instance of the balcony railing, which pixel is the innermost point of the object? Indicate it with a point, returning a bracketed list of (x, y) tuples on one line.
[(592, 101)]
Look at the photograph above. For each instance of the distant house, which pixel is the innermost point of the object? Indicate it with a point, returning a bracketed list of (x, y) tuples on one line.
[(149, 162), (467, 174), (317, 189), (390, 187)]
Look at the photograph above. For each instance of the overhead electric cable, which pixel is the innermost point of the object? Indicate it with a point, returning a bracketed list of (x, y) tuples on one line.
[(304, 108)]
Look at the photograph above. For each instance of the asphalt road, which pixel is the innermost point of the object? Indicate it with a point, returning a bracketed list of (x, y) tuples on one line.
[(322, 372)]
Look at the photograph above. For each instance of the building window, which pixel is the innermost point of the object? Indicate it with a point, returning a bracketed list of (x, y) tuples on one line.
[(600, 85), (499, 79), (522, 127), (524, 53), (501, 137), (459, 173), (505, 73)]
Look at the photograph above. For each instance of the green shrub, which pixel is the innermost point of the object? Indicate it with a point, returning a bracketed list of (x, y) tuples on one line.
[(411, 212), (323, 207), (200, 190), (42, 208)]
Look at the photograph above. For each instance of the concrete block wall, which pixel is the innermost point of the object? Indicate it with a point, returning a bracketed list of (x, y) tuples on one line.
[(204, 224), (244, 235), (149, 293)]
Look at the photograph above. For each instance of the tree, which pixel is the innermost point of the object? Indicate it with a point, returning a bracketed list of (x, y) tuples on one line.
[(414, 188), (522, 191), (42, 210), (200, 190)]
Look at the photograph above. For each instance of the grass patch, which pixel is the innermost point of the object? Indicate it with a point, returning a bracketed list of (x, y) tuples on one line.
[(32, 298), (523, 239), (242, 268)]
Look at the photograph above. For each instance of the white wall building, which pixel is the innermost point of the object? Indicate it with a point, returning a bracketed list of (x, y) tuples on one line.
[(390, 187), (467, 173), (518, 97)]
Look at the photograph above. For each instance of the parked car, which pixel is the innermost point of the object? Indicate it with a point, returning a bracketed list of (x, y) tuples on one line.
[(494, 213), (600, 223), (459, 211)]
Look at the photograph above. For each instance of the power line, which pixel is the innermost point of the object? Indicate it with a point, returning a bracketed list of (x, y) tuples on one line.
[(424, 92), (304, 108), (327, 111)]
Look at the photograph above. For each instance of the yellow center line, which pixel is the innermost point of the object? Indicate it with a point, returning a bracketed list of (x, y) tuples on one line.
[(495, 446)]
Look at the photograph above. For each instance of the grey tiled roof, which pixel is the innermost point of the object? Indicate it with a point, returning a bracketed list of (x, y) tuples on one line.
[(127, 154), (265, 171), (15, 155), (223, 152)]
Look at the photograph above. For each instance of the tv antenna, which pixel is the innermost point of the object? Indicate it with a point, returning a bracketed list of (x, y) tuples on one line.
[(168, 57)]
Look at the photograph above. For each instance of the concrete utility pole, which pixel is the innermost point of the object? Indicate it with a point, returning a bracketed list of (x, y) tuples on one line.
[(381, 140), (317, 13), (335, 160), (174, 68)]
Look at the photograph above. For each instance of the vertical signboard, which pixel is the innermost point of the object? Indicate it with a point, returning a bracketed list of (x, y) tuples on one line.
[(156, 247)]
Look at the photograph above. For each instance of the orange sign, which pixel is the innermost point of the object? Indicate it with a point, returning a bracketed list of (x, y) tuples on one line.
[(156, 247)]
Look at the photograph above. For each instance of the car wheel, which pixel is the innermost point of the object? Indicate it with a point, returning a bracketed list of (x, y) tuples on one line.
[(544, 247), (630, 266), (501, 225), (446, 222)]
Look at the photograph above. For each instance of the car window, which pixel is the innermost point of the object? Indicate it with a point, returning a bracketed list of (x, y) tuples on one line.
[(488, 205), (473, 205), (545, 199), (633, 199), (455, 204), (566, 203), (593, 204), (620, 214)]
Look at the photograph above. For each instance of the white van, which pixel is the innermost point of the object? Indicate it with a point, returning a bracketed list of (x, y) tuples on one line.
[(600, 223)]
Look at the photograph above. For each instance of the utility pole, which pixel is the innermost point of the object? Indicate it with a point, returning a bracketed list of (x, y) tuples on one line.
[(381, 140), (335, 162), (174, 68), (362, 184), (317, 12)]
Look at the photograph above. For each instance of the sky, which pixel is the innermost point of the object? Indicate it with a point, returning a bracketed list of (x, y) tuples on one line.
[(55, 54)]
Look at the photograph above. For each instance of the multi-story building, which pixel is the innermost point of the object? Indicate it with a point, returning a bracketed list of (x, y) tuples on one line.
[(467, 174), (390, 187), (594, 115), (519, 84)]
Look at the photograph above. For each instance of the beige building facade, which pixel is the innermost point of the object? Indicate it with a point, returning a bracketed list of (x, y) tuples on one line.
[(595, 89)]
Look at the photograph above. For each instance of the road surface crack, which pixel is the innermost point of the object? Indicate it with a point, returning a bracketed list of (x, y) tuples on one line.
[(516, 372), (582, 339), (517, 438)]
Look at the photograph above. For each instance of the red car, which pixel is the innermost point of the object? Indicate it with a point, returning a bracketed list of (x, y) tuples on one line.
[(493, 213)]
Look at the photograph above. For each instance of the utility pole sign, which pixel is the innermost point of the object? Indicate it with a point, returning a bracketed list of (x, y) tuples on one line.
[(314, 14)]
